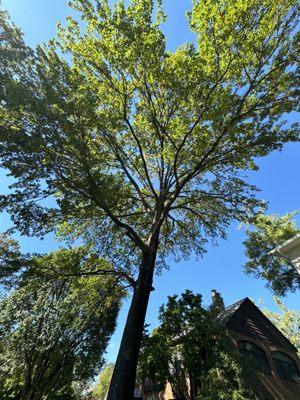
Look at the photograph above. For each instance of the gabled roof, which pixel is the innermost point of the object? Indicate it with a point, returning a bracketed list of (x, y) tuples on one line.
[(226, 314), (246, 318)]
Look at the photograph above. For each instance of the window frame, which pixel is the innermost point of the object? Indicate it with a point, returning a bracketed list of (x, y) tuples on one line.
[(258, 354), (282, 371)]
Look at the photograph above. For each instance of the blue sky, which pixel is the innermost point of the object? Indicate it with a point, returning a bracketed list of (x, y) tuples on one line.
[(221, 268)]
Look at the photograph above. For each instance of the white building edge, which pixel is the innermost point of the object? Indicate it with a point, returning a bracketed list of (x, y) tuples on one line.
[(291, 250)]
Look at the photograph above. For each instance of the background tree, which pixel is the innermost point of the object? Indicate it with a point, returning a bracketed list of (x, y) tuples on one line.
[(144, 148), (287, 321), (54, 330), (268, 232), (101, 389), (155, 360), (190, 344)]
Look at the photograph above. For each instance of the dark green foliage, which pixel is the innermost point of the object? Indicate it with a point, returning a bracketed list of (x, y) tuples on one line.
[(54, 328), (12, 261), (269, 232), (154, 359)]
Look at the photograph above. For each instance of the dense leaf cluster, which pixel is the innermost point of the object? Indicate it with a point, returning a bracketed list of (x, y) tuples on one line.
[(133, 140), (54, 326)]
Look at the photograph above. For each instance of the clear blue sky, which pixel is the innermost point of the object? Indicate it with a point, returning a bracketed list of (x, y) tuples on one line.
[(221, 268)]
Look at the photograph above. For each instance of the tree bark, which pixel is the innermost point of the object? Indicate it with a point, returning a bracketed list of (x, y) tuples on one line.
[(123, 380)]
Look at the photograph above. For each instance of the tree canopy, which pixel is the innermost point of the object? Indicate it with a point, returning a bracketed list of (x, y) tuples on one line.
[(54, 330), (145, 150), (267, 233), (150, 138)]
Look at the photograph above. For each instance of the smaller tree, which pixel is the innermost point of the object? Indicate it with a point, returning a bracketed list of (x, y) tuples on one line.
[(267, 233), (190, 350), (287, 321), (155, 360), (101, 389), (54, 327)]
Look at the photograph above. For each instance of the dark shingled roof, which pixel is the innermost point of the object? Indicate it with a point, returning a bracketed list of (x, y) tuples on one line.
[(229, 311), (246, 318)]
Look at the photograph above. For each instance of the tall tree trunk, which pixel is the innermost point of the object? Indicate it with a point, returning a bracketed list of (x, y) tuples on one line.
[(26, 394), (192, 386), (123, 380), (27, 389)]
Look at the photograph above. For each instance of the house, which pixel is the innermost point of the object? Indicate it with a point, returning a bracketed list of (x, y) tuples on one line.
[(272, 355), (291, 250)]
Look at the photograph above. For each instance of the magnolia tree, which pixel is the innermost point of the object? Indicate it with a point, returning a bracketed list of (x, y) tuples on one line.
[(143, 148)]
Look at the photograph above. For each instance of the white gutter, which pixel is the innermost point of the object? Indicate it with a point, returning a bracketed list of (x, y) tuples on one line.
[(291, 250)]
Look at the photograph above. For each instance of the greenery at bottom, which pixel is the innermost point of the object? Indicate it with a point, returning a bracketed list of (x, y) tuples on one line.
[(190, 348), (101, 388), (54, 327)]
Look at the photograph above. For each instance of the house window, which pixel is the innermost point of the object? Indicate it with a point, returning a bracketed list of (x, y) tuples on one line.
[(256, 356), (286, 367)]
